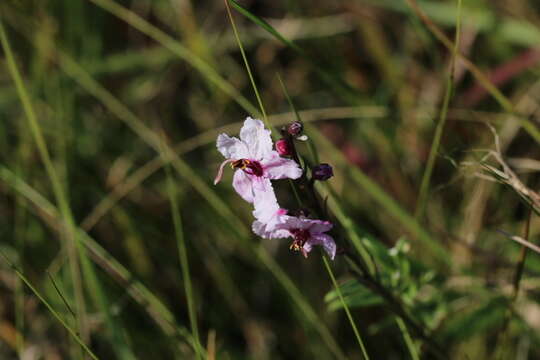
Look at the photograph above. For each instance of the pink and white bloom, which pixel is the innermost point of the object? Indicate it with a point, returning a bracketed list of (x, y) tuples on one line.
[(270, 217), (273, 222), (307, 233), (254, 160)]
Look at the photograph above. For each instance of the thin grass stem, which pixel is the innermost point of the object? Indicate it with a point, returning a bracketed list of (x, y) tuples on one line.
[(503, 101), (183, 258), (426, 178), (346, 307), (72, 332), (246, 63), (35, 129), (407, 337)]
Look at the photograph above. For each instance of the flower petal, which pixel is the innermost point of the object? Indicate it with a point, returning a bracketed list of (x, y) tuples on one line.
[(256, 138), (243, 185), (267, 232), (231, 147), (276, 167), (293, 222), (270, 217), (265, 202), (326, 241), (319, 226)]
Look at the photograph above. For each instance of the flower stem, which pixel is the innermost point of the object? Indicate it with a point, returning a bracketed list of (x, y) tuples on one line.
[(347, 311)]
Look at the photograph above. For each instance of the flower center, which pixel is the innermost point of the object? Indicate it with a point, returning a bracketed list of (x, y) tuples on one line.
[(300, 237), (250, 167)]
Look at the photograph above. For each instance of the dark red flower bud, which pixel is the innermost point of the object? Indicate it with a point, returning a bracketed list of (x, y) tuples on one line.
[(322, 172), (295, 128), (283, 147)]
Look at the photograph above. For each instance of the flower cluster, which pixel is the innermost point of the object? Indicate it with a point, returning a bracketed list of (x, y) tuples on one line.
[(256, 164)]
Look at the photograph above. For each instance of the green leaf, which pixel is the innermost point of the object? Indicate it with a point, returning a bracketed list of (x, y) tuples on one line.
[(354, 295)]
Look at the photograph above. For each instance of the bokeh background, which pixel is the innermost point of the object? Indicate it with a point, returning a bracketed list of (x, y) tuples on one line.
[(91, 188)]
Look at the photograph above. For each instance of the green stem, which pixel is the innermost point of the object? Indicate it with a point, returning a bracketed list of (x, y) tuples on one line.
[(61, 198), (72, 332), (424, 187), (183, 257), (246, 63), (346, 307)]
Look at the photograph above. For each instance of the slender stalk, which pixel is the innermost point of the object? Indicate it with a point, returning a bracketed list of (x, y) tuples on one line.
[(162, 316), (346, 307), (19, 226), (503, 101), (72, 332), (407, 337), (183, 257), (61, 198), (246, 63), (64, 300), (522, 257), (424, 187), (177, 48)]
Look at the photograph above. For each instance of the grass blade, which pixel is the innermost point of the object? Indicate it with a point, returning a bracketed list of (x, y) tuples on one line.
[(35, 129), (346, 307), (424, 187), (177, 48), (385, 201), (344, 89), (153, 306), (183, 257), (72, 332), (503, 101)]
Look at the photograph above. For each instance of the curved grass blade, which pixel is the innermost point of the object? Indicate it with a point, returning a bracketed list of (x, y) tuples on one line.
[(72, 245), (155, 308), (344, 89), (177, 48), (72, 332)]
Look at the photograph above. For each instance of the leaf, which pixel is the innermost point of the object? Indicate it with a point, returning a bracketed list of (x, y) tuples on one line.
[(354, 295)]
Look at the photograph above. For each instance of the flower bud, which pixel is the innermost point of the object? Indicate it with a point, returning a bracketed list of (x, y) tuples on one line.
[(322, 172), (283, 147), (295, 128)]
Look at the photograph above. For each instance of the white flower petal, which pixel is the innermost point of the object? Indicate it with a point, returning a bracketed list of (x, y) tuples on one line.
[(243, 185), (256, 138), (275, 167), (231, 147)]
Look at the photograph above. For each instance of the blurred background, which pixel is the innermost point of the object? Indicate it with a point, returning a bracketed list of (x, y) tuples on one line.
[(107, 158)]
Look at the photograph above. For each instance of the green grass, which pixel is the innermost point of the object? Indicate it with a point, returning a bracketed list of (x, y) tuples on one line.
[(115, 245)]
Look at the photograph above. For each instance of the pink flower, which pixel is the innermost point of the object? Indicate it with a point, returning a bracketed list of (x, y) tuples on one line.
[(270, 217), (307, 233), (272, 222), (254, 160)]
